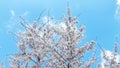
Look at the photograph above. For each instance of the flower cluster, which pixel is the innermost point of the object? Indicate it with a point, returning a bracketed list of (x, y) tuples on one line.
[(110, 59)]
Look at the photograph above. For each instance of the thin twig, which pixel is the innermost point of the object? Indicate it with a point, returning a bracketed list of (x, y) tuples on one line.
[(40, 15)]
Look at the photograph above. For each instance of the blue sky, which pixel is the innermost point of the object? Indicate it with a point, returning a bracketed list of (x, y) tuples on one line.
[(97, 15)]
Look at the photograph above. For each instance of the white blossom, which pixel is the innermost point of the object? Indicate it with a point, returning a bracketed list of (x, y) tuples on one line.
[(110, 59), (2, 65)]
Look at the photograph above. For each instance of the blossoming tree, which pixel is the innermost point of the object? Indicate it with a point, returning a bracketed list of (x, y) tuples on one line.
[(52, 45)]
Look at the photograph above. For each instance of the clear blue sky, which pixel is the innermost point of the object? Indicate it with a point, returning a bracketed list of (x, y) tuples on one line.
[(97, 15)]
